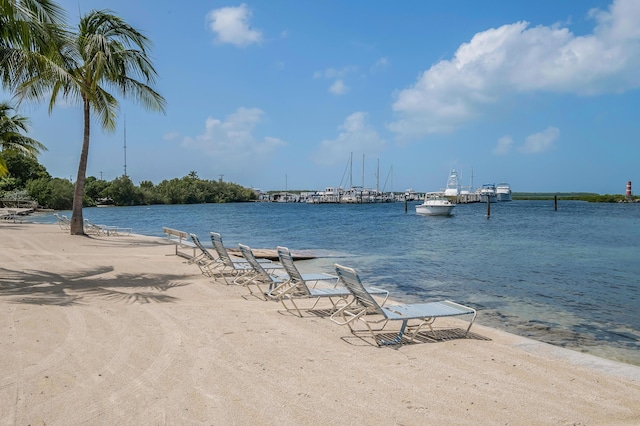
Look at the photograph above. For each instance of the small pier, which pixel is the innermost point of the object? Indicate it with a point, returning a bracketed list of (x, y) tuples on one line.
[(467, 198)]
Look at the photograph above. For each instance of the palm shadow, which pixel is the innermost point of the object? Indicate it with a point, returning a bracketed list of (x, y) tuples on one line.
[(79, 287)]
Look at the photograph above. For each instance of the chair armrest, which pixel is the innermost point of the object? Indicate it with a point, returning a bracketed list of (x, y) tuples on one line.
[(386, 294)]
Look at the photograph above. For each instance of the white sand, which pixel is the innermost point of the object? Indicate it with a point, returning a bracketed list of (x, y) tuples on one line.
[(115, 330)]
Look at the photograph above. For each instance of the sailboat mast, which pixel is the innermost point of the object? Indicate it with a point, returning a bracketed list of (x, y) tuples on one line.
[(362, 171), (378, 178), (351, 170)]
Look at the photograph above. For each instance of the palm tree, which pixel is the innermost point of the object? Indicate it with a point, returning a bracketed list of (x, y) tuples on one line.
[(11, 137), (27, 29), (105, 53)]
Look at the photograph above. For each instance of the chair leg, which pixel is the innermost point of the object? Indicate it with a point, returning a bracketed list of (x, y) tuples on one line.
[(398, 337)]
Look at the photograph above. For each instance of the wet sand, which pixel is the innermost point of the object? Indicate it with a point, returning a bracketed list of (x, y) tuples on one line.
[(117, 329)]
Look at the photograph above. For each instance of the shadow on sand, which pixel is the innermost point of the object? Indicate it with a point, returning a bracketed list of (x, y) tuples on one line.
[(78, 287)]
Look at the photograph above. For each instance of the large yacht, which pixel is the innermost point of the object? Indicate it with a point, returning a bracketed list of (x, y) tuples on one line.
[(488, 193), (503, 192), (453, 186)]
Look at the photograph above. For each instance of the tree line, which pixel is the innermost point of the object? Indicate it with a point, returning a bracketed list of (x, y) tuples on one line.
[(26, 178), (576, 196)]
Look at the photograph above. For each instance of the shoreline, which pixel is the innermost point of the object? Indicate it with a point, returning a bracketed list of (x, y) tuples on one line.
[(106, 329), (312, 255)]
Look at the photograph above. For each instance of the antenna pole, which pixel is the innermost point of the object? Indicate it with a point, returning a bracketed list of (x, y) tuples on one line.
[(125, 145)]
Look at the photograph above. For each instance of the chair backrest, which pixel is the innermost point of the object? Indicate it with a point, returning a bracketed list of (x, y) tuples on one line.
[(286, 259), (349, 277), (216, 239), (248, 255), (63, 220), (202, 248)]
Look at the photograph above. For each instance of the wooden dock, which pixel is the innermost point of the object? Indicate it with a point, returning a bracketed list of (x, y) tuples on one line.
[(271, 254)]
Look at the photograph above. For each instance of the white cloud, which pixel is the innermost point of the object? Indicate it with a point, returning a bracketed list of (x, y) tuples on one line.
[(338, 88), (504, 146), (355, 136), (380, 64), (518, 58), (231, 25), (232, 141), (540, 142)]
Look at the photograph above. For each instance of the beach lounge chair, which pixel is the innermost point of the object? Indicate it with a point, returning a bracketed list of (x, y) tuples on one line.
[(413, 317), (303, 286), (92, 228), (238, 268), (63, 221), (262, 274), (95, 229), (205, 260)]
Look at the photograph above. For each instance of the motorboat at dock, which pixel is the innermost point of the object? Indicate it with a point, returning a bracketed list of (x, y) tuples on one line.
[(503, 192), (488, 193)]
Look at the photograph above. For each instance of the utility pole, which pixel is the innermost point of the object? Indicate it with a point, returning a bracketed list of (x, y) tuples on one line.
[(125, 146)]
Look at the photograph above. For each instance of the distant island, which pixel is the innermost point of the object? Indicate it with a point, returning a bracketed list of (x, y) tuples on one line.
[(580, 196)]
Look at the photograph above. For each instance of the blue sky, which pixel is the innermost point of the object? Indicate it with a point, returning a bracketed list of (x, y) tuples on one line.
[(277, 94)]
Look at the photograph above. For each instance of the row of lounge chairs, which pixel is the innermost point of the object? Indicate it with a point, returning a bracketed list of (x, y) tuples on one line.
[(91, 228), (351, 303)]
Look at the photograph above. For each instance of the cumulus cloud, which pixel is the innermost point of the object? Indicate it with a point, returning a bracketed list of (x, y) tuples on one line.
[(355, 136), (518, 58), (231, 25), (540, 142), (233, 140), (338, 88), (504, 146)]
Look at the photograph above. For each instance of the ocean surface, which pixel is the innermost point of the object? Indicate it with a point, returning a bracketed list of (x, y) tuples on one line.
[(569, 277)]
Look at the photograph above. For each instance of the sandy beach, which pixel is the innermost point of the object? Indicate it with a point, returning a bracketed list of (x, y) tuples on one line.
[(118, 330)]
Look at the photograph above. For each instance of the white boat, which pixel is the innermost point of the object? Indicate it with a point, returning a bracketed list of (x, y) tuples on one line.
[(452, 189), (488, 193), (435, 204), (411, 195), (104, 202), (503, 192)]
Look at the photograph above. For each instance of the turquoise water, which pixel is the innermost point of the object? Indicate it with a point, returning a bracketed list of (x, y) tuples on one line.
[(569, 277)]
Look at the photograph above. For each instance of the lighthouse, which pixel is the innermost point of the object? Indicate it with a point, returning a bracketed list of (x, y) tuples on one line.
[(629, 193)]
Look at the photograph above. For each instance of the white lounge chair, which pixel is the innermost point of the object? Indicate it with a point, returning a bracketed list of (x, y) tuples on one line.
[(303, 286), (205, 260), (92, 228), (208, 262), (63, 221), (366, 309), (236, 267), (262, 274), (95, 229)]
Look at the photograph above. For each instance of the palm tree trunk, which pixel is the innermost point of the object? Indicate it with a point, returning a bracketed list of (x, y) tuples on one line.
[(77, 221)]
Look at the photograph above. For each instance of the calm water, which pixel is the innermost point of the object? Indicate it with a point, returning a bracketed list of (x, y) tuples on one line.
[(569, 277)]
